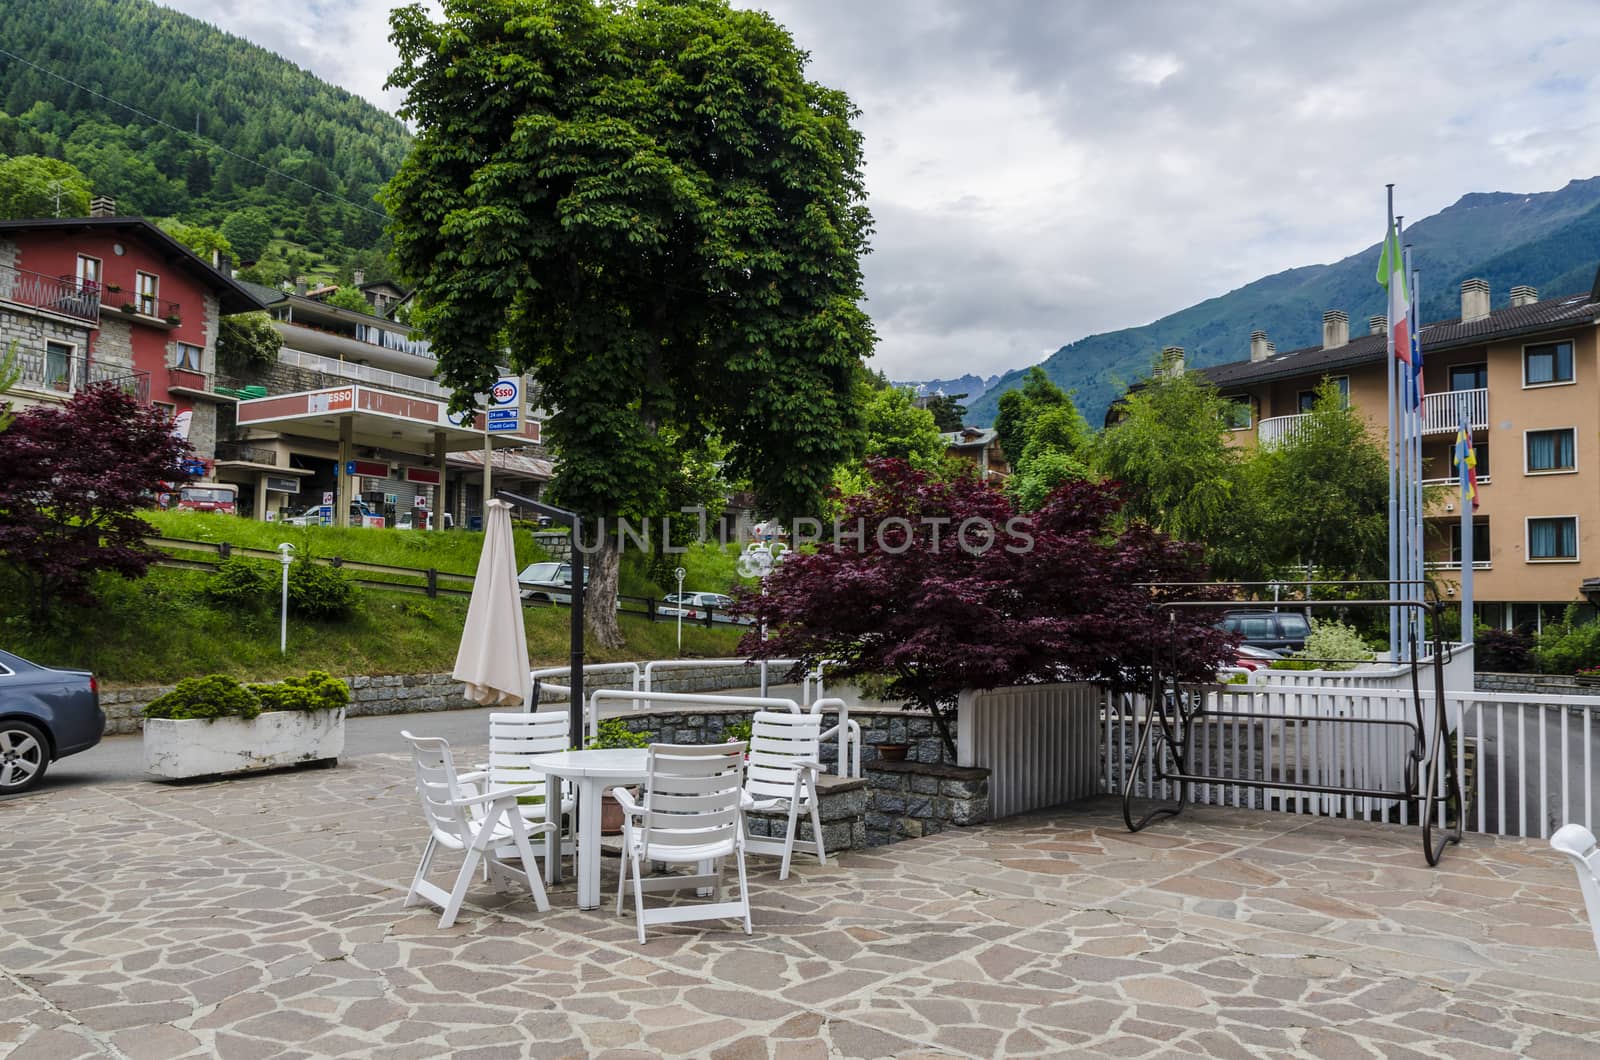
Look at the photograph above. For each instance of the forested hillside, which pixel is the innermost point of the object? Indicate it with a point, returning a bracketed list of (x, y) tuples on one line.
[(1550, 240), (265, 126)]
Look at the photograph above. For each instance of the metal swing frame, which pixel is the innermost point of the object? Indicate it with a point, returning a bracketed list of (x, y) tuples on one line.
[(1175, 708)]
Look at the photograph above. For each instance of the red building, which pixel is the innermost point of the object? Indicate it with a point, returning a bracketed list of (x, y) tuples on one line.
[(107, 298)]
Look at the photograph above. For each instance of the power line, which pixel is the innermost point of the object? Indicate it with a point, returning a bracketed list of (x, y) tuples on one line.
[(193, 135)]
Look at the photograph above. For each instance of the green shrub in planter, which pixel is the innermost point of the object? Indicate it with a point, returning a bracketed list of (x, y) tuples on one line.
[(241, 583), (614, 732), (316, 591), (317, 690), (737, 730), (212, 696)]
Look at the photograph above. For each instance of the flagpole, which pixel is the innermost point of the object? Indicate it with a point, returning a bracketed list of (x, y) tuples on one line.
[(1416, 567), (1466, 526), (1394, 500), (1403, 475)]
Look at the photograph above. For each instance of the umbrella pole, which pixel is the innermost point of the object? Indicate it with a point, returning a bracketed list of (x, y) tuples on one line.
[(576, 705)]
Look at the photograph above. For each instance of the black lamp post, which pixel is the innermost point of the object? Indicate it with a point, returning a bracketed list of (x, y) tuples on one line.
[(569, 519)]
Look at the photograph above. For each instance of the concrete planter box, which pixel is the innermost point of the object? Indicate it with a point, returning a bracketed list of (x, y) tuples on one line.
[(178, 750)]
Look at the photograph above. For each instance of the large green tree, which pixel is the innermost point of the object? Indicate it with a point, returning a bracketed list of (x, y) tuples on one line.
[(649, 207), (31, 186), (1170, 451), (1322, 495), (1044, 437)]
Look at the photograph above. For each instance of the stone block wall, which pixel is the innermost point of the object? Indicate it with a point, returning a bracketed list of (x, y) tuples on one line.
[(1538, 684), (842, 806), (914, 799)]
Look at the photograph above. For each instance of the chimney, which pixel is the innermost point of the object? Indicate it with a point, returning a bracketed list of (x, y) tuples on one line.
[(1172, 360), (1335, 329), (1474, 300), (299, 285), (102, 206), (1522, 294), (358, 277), (216, 259), (1260, 348), (1378, 325)]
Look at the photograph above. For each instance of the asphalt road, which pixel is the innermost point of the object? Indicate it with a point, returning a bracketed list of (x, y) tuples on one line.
[(117, 758)]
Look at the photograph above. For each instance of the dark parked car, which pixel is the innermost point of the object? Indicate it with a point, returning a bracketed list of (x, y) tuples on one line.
[(1278, 630), (45, 714)]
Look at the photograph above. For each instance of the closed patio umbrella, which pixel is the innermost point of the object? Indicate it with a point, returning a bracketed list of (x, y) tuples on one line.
[(492, 662)]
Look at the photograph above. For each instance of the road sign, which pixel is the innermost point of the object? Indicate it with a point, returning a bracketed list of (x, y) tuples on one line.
[(505, 405)]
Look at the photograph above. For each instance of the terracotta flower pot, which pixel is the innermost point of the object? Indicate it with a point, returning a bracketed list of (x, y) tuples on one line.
[(610, 815), (893, 752)]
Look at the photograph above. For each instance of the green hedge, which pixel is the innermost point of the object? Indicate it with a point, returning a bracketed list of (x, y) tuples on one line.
[(221, 696)]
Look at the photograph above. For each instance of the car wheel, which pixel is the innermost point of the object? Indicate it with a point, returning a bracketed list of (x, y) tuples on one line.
[(24, 756)]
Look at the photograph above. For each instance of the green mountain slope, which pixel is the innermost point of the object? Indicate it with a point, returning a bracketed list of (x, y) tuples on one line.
[(1550, 240), (250, 105)]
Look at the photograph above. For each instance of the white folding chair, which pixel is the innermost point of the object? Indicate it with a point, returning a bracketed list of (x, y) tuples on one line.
[(477, 822), (690, 813), (513, 740), (1578, 843), (782, 771)]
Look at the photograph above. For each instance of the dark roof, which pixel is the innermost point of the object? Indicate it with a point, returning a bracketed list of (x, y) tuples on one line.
[(263, 294), (232, 295), (1548, 315)]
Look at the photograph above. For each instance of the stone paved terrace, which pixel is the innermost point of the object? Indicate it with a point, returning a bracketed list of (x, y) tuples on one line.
[(262, 918)]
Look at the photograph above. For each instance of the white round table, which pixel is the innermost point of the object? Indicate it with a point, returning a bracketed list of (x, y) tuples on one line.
[(590, 772)]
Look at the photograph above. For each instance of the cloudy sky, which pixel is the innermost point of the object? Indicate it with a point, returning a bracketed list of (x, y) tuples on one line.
[(1040, 170)]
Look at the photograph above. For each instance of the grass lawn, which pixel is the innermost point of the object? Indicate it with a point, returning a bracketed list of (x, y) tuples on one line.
[(452, 551), (164, 627)]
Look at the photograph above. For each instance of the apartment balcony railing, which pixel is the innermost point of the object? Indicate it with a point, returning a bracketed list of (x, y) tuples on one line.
[(1455, 564), (1441, 413), (364, 373), (1280, 429), (1454, 481), (63, 296), (393, 340), (147, 309), (48, 373)]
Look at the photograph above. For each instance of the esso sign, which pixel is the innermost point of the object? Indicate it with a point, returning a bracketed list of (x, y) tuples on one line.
[(504, 392)]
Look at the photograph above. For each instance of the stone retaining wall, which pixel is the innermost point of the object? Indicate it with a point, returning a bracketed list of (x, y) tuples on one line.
[(913, 799), (424, 693), (1539, 684)]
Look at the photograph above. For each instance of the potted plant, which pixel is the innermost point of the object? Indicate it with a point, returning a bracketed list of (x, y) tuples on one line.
[(614, 733), (893, 752), (129, 307), (737, 731), (113, 288), (214, 726), (173, 319)]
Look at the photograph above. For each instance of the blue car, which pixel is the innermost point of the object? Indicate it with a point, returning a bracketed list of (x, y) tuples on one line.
[(45, 714)]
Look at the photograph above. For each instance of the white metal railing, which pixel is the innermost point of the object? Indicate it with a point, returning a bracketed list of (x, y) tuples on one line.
[(364, 373), (762, 666), (1526, 761), (1441, 413), (1279, 429), (702, 699), (1453, 481), (1455, 564)]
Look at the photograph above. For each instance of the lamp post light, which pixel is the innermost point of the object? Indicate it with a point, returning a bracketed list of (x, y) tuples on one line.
[(680, 572), (284, 551), (575, 681)]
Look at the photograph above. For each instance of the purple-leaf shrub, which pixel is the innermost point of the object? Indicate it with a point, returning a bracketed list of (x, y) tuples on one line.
[(71, 481), (1058, 594)]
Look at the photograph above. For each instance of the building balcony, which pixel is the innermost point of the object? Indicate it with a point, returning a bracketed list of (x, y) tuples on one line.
[(46, 373), (150, 311), (361, 373), (243, 452), (61, 296), (1441, 413), (1455, 564), (1280, 429)]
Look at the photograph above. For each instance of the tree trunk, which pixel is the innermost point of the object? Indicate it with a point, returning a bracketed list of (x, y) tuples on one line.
[(600, 594)]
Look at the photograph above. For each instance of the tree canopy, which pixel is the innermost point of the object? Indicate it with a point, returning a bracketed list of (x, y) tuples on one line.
[(650, 208), (32, 186)]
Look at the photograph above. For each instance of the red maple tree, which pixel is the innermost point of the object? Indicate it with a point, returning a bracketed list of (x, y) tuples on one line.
[(71, 480), (1059, 594)]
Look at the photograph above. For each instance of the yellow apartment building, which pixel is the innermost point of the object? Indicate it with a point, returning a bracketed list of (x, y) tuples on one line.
[(1529, 375)]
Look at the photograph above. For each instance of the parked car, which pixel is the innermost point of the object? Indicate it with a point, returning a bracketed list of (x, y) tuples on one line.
[(1249, 658), (312, 516), (1279, 630), (695, 605), (547, 582), (45, 714)]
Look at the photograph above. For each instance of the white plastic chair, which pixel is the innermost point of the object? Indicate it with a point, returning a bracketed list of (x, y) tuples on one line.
[(782, 771), (1578, 843), (515, 738), (477, 822), (690, 813)]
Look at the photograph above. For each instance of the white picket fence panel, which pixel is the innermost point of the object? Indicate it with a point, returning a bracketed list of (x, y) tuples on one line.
[(1040, 743), (1527, 762)]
